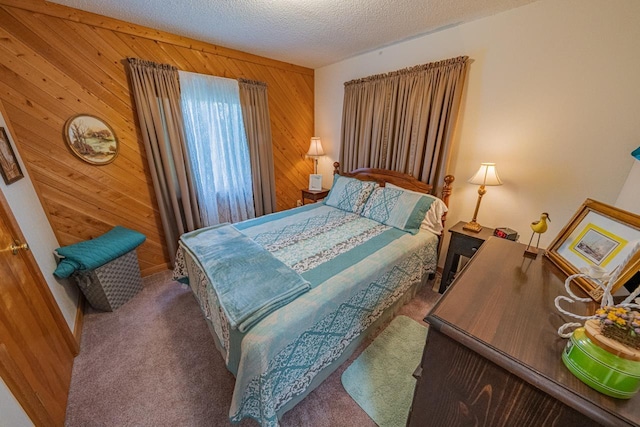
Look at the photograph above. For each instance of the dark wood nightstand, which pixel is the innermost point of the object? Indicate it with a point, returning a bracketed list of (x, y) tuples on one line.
[(462, 243), (314, 195)]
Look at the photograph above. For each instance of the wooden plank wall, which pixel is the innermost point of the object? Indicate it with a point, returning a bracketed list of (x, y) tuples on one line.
[(56, 62)]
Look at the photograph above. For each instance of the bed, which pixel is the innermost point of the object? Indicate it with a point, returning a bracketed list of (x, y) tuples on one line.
[(350, 262)]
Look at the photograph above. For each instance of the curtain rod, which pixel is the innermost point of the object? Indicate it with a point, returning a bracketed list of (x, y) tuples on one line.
[(409, 70)]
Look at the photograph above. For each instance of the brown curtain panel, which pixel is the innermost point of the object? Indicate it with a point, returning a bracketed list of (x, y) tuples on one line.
[(403, 120), (156, 91), (257, 123)]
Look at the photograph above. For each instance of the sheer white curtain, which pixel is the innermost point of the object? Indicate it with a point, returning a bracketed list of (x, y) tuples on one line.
[(217, 146)]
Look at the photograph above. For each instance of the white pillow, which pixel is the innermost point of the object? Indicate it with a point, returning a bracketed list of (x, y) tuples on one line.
[(433, 219)]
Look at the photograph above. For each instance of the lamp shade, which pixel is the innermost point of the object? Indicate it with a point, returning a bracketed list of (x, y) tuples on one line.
[(315, 149), (486, 175)]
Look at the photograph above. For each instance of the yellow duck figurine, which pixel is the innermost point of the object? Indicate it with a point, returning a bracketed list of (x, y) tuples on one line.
[(538, 227)]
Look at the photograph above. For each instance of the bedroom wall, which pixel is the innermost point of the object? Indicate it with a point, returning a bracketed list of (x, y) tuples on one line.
[(57, 62), (552, 97), (12, 413), (629, 197)]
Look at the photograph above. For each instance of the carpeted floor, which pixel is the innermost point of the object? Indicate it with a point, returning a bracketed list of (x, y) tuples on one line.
[(153, 363)]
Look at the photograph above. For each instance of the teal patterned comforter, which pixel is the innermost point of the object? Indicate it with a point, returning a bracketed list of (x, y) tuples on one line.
[(357, 268)]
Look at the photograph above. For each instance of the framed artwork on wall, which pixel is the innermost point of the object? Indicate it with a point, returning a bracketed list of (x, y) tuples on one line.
[(599, 237), (9, 166), (91, 139)]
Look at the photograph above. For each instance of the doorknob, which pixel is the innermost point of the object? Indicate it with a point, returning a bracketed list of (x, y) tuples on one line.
[(16, 246)]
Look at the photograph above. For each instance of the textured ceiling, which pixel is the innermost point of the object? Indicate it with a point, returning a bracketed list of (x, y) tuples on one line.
[(311, 33)]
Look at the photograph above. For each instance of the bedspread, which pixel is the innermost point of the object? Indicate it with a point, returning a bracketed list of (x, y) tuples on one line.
[(357, 268)]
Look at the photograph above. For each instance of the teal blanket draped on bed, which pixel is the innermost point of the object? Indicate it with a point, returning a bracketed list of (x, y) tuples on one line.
[(235, 265)]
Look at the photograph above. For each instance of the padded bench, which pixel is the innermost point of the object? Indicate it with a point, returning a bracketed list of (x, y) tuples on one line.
[(105, 268)]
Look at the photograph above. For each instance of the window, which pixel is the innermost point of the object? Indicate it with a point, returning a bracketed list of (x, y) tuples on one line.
[(217, 147)]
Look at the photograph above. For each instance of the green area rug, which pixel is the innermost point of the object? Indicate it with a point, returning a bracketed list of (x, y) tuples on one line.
[(380, 380)]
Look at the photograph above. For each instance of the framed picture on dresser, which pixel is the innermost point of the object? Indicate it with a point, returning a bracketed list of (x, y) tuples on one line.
[(599, 239)]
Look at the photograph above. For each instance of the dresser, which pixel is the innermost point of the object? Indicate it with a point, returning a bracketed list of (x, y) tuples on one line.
[(493, 356)]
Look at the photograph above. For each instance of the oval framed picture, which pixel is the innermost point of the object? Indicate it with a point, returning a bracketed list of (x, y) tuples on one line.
[(91, 139)]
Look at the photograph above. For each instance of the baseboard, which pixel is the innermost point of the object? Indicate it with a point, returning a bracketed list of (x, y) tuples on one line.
[(77, 327), (156, 269)]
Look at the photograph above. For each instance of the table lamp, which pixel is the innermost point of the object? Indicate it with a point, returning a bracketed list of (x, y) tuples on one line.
[(315, 151), (486, 175)]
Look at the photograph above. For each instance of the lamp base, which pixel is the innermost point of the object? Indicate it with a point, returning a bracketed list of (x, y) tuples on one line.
[(472, 226)]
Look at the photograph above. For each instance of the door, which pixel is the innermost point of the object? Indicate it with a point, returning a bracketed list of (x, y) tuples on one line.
[(36, 346)]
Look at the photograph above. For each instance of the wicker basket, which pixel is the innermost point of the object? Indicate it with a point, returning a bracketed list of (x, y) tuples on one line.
[(113, 284), (620, 324), (622, 335)]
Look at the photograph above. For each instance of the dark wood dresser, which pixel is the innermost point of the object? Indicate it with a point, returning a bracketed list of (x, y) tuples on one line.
[(493, 356)]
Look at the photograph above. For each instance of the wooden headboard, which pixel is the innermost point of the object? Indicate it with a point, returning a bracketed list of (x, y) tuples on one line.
[(382, 176)]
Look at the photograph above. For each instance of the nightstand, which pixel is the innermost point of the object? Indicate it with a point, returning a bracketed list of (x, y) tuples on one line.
[(314, 195), (463, 243)]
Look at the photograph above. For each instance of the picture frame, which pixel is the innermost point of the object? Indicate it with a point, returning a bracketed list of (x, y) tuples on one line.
[(598, 235), (315, 182), (9, 166), (91, 139)]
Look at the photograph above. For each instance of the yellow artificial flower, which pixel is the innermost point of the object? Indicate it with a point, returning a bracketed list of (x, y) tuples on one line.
[(620, 321), (612, 316)]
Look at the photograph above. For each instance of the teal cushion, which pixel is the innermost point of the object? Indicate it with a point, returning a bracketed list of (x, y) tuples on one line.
[(96, 252), (349, 194), (397, 208)]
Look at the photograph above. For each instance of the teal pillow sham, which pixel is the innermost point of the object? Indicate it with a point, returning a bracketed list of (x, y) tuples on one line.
[(349, 194), (433, 219), (397, 208)]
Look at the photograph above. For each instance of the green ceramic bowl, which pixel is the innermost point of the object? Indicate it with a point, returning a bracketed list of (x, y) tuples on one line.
[(599, 369)]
